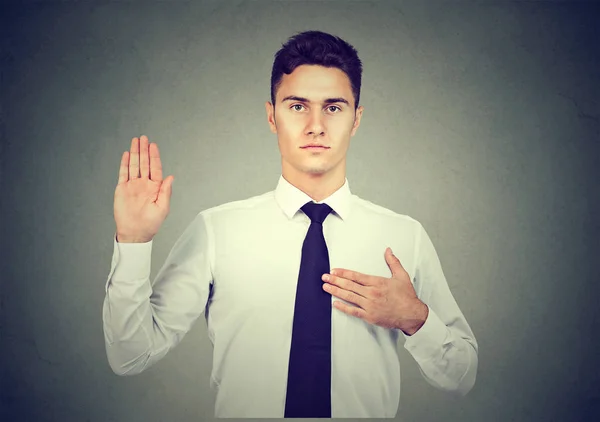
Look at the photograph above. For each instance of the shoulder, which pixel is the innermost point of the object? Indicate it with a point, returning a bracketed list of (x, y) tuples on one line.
[(372, 209), (242, 206)]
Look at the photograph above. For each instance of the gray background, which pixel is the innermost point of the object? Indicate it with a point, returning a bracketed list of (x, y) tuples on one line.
[(481, 121)]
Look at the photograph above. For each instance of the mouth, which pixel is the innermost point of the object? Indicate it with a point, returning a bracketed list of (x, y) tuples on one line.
[(315, 147)]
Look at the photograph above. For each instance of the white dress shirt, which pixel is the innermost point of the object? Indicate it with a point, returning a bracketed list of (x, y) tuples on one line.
[(238, 263)]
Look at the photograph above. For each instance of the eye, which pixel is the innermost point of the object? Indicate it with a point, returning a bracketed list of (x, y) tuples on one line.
[(297, 105), (330, 107)]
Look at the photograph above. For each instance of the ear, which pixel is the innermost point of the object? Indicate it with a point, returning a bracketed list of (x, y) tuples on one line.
[(359, 112), (271, 116)]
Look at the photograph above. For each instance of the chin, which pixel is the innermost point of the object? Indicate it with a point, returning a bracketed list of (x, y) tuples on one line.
[(315, 171)]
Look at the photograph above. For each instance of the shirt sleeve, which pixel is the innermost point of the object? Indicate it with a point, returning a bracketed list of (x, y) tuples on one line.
[(142, 320), (444, 347)]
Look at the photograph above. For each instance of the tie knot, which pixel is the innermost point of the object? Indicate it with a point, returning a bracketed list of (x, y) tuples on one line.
[(316, 212)]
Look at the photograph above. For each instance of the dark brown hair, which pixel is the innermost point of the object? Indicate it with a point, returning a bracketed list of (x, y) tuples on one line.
[(317, 48)]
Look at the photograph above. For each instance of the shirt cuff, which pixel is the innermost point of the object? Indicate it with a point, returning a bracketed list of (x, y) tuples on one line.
[(132, 260), (429, 339)]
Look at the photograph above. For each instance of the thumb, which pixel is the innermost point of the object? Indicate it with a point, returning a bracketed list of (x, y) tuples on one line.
[(393, 262), (166, 188)]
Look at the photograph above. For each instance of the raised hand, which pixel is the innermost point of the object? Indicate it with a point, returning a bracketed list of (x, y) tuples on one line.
[(142, 196)]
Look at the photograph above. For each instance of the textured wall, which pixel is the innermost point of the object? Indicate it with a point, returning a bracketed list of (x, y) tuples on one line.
[(481, 121)]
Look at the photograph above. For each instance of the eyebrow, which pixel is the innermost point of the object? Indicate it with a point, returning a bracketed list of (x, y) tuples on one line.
[(306, 100)]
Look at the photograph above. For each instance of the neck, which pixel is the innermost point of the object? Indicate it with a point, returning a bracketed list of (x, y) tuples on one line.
[(317, 186)]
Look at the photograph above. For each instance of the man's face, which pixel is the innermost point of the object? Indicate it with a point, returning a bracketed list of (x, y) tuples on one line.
[(314, 104)]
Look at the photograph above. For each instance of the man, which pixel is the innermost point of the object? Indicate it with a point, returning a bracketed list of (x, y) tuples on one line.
[(289, 342)]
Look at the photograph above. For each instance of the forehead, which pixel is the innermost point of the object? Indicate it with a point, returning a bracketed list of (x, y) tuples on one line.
[(315, 82)]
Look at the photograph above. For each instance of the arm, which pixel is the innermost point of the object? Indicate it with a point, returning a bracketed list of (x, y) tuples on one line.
[(444, 347), (143, 321)]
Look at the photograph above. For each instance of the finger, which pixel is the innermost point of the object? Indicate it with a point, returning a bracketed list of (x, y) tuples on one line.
[(348, 296), (166, 189), (155, 163), (346, 284), (134, 159), (123, 170), (395, 259), (350, 310), (394, 263), (360, 278), (144, 168)]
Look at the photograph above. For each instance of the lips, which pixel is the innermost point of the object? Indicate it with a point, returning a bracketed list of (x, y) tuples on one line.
[(315, 146)]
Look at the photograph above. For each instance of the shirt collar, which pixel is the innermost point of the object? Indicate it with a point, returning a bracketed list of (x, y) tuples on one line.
[(291, 199)]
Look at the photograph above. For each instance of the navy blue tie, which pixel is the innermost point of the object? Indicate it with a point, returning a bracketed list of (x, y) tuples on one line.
[(309, 372)]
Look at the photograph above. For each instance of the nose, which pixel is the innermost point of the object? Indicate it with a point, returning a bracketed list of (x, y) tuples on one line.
[(315, 125)]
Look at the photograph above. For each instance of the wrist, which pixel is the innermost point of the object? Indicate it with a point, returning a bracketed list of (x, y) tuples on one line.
[(421, 313), (131, 239)]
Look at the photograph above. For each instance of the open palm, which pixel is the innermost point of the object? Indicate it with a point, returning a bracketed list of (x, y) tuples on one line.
[(142, 197)]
